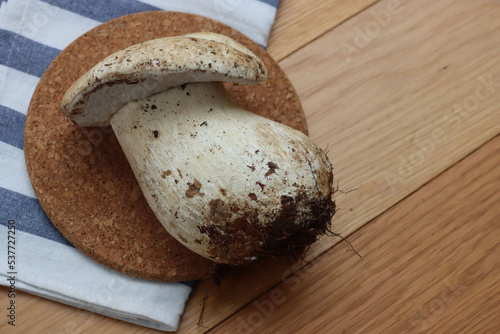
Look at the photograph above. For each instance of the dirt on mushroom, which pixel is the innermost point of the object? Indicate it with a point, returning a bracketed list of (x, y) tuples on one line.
[(246, 239)]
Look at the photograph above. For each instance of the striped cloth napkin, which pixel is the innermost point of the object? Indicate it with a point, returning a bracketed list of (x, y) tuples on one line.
[(34, 257)]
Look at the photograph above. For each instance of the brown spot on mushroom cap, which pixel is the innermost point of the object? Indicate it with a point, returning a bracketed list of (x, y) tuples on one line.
[(166, 173), (272, 168), (194, 189)]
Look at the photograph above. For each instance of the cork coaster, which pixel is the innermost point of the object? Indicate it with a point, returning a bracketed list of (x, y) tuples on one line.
[(81, 176)]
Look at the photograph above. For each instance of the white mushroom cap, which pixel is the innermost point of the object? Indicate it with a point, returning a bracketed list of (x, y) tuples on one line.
[(154, 66)]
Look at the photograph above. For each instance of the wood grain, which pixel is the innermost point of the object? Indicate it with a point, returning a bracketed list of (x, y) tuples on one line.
[(430, 264), (421, 95), (299, 22), (386, 115)]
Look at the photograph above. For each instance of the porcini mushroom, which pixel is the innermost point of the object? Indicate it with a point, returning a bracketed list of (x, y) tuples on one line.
[(228, 184)]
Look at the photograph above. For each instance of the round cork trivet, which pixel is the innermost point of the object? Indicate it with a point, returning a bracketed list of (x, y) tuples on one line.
[(81, 176)]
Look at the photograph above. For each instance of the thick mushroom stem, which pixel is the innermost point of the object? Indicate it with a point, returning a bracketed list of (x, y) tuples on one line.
[(228, 184)]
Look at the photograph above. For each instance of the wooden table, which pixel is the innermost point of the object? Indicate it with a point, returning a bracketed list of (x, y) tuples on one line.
[(405, 95)]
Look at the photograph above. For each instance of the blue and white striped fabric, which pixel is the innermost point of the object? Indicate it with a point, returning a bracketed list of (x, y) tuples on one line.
[(32, 33)]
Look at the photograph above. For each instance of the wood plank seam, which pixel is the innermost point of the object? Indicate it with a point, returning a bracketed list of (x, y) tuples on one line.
[(284, 278)]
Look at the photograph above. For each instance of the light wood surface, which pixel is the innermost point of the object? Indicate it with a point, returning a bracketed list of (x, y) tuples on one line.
[(421, 270), (381, 93), (300, 22)]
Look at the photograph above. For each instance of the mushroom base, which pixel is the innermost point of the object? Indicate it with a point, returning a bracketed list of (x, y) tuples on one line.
[(245, 239), (228, 184)]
